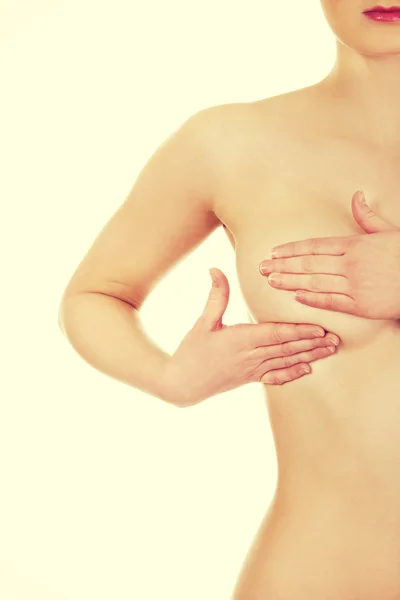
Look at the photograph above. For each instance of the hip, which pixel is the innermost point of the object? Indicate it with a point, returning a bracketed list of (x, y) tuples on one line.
[(333, 546)]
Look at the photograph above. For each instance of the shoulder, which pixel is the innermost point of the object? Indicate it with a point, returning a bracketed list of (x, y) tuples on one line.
[(225, 128), (273, 110), (214, 124), (225, 131), (216, 136), (229, 135)]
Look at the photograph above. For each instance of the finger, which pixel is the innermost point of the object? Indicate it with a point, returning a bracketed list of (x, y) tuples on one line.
[(278, 369), (269, 334), (289, 348), (284, 362), (331, 265), (333, 338), (327, 245), (333, 302), (282, 376), (314, 283), (368, 219)]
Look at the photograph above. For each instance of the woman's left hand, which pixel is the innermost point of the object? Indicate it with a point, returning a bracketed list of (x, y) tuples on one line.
[(358, 274)]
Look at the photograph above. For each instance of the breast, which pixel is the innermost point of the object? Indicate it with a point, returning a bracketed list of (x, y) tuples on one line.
[(314, 419), (281, 185), (254, 240), (304, 190)]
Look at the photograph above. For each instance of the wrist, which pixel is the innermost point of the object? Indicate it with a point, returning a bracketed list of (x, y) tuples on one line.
[(172, 389), (176, 389)]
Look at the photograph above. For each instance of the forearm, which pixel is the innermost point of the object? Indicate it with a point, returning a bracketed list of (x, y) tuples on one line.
[(107, 333)]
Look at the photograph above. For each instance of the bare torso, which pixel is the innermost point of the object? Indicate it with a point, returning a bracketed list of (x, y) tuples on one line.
[(289, 167)]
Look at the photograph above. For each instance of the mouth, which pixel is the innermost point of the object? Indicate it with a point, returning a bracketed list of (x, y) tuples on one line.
[(381, 9)]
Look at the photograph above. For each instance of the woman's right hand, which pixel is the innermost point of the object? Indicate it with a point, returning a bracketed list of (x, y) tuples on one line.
[(214, 358)]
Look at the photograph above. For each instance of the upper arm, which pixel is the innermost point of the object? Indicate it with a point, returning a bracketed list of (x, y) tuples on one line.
[(167, 213)]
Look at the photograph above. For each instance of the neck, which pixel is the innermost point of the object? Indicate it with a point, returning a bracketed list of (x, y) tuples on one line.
[(367, 89)]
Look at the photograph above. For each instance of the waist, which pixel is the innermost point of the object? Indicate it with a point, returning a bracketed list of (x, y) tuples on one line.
[(340, 425), (333, 546)]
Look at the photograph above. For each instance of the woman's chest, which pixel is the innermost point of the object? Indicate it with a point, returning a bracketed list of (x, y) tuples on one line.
[(299, 190)]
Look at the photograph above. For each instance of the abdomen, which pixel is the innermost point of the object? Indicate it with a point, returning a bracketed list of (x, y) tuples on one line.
[(322, 545), (337, 428)]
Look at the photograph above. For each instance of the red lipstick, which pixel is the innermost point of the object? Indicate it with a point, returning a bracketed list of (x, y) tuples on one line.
[(380, 13)]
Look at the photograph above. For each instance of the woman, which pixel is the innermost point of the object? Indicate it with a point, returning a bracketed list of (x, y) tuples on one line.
[(273, 171), (333, 530)]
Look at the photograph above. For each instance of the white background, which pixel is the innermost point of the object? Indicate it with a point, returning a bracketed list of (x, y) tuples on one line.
[(106, 492)]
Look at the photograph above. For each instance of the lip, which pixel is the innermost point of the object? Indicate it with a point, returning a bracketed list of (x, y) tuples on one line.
[(383, 9)]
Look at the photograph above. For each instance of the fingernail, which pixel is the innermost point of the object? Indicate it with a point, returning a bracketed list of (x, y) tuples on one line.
[(214, 277), (361, 198), (274, 251)]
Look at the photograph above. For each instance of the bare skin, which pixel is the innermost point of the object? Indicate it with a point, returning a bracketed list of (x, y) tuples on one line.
[(274, 171), (287, 172)]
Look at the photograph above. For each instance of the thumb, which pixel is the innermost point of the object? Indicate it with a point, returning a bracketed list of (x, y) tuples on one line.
[(217, 300), (366, 217)]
